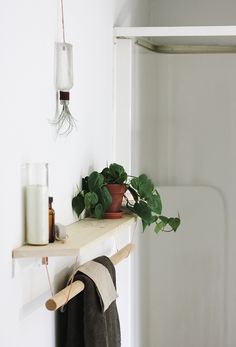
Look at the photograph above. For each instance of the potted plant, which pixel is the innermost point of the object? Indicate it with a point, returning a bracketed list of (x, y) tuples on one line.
[(139, 194)]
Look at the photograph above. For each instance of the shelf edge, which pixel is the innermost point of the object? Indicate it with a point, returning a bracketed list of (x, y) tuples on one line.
[(27, 251)]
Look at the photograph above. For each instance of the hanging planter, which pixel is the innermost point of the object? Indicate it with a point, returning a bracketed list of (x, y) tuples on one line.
[(64, 121)]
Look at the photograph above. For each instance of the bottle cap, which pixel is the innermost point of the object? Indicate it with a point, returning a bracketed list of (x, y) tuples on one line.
[(50, 199), (64, 95)]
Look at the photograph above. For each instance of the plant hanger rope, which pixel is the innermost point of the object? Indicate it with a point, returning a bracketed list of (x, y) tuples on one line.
[(63, 22), (64, 121), (45, 262)]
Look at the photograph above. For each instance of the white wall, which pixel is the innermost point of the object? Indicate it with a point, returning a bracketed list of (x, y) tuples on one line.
[(190, 12), (131, 13), (28, 32), (185, 123)]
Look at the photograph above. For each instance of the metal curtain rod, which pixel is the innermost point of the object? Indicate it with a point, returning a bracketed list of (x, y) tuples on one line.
[(61, 298), (185, 49)]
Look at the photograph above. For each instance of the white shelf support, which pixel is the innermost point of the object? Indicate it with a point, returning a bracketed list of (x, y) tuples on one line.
[(123, 65), (184, 40), (197, 31)]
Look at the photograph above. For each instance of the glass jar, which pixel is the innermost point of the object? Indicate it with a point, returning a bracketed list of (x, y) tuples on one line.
[(36, 203), (64, 66)]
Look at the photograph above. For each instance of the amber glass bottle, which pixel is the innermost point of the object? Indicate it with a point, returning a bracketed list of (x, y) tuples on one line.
[(51, 219)]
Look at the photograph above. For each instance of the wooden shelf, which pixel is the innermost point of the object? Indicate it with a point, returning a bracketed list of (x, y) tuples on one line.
[(81, 234)]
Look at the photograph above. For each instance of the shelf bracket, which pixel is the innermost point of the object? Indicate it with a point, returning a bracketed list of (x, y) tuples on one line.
[(185, 49)]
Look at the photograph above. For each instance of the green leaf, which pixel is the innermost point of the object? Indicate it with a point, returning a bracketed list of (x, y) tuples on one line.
[(85, 184), (95, 181), (114, 174), (116, 169), (145, 186), (87, 200), (154, 218), (164, 219), (154, 202), (144, 224), (160, 203), (78, 204), (118, 173), (135, 183), (174, 223), (90, 199), (106, 174), (104, 197), (143, 211), (159, 227), (94, 198), (99, 212), (133, 193), (130, 207)]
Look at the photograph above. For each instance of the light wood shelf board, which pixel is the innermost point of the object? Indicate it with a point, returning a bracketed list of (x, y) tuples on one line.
[(81, 234)]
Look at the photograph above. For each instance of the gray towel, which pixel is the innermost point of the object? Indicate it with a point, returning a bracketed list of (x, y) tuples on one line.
[(84, 324)]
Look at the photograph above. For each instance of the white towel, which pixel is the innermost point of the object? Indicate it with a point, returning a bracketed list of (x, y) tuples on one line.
[(103, 281)]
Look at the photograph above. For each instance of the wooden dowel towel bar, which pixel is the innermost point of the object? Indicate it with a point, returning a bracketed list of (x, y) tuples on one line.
[(76, 287)]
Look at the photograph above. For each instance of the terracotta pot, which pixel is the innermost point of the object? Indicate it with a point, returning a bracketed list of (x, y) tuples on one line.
[(117, 192)]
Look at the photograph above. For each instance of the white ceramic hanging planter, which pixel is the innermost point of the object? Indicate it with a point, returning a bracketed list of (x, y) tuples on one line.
[(64, 121)]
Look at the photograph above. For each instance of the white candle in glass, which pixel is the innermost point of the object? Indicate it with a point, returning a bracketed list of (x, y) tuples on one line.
[(36, 195), (37, 214)]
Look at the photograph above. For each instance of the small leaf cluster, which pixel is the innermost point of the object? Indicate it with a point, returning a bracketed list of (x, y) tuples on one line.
[(115, 173), (94, 196), (146, 201), (148, 206)]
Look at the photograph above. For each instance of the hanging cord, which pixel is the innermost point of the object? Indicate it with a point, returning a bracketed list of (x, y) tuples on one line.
[(63, 22), (69, 283), (45, 262)]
